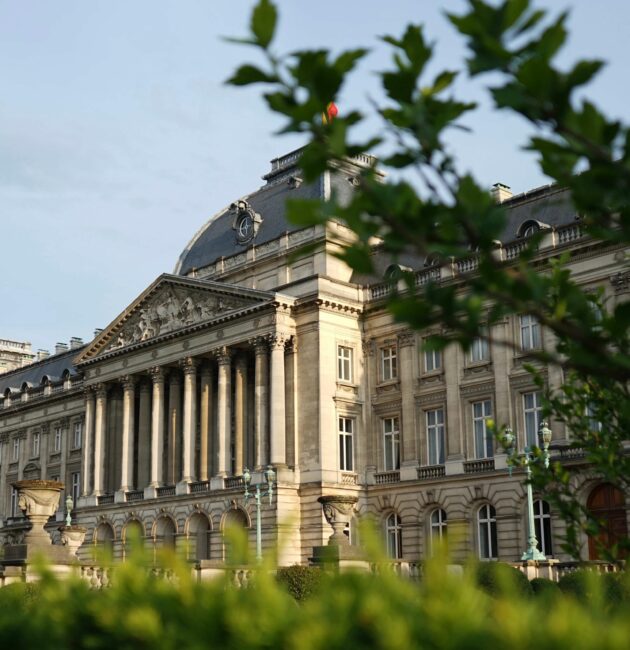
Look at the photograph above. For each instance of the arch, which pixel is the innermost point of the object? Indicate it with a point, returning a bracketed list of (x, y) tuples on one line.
[(198, 528), (394, 272), (236, 517), (393, 535), (606, 503), (530, 227), (104, 536), (165, 531), (26, 385), (133, 534), (234, 525)]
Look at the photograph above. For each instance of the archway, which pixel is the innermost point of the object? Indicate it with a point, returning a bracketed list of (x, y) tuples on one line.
[(165, 533), (235, 542), (606, 503), (104, 537), (198, 537)]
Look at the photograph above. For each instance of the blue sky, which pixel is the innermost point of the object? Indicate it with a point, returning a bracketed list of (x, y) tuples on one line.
[(119, 139)]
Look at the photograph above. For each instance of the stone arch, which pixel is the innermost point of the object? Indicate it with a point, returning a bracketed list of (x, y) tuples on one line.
[(105, 536), (235, 522), (164, 531), (132, 535), (235, 517), (198, 528)]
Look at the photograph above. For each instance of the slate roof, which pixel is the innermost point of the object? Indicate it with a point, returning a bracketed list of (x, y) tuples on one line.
[(52, 367)]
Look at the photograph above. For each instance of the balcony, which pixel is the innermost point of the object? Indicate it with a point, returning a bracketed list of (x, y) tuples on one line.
[(431, 472), (134, 495), (383, 478), (166, 491), (480, 466)]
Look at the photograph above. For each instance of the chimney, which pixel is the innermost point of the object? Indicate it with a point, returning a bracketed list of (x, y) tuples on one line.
[(501, 192), (75, 342), (60, 348), (42, 354), (97, 331)]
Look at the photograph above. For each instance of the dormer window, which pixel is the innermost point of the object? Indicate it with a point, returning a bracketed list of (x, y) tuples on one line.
[(530, 227)]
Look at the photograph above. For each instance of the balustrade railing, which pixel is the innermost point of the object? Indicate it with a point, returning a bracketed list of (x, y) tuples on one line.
[(387, 477), (431, 472), (166, 491), (199, 486), (479, 466)]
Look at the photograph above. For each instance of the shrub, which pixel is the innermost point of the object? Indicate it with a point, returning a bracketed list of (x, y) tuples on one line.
[(498, 579), (545, 588), (577, 584), (300, 581)]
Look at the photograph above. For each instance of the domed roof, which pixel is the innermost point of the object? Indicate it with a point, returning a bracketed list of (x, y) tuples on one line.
[(258, 217)]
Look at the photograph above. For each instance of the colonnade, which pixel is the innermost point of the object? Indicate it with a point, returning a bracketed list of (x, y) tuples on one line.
[(202, 418)]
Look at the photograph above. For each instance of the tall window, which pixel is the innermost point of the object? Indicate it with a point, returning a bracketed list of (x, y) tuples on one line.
[(35, 443), (393, 536), (344, 363), (481, 413), (532, 411), (16, 449), (432, 360), (14, 502), (346, 460), (542, 526), (75, 479), (435, 436), (389, 365), (487, 525), (391, 440), (530, 333), (438, 527), (57, 440), (479, 350), (77, 435), (594, 424)]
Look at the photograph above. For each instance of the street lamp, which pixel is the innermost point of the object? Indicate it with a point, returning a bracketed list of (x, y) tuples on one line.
[(262, 490), (69, 505), (509, 442)]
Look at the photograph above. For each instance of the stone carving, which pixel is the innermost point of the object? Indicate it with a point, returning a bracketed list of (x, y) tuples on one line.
[(38, 500), (172, 309), (620, 281), (72, 537), (338, 510)]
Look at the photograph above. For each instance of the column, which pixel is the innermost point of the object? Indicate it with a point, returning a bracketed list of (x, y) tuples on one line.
[(99, 438), (190, 419), (261, 419), (205, 419), (157, 427), (128, 427), (224, 415), (144, 435), (174, 428), (407, 348), (277, 419), (88, 442), (240, 404)]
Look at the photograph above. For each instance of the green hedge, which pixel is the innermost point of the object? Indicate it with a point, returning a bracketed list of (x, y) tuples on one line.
[(300, 581), (498, 579)]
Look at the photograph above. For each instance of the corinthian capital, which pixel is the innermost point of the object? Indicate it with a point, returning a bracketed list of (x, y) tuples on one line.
[(189, 365), (223, 356)]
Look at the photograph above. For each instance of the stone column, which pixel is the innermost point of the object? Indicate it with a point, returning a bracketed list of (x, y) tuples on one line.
[(205, 419), (144, 435), (261, 417), (240, 406), (174, 428), (407, 348), (100, 424), (157, 427), (190, 419), (128, 427), (278, 418), (224, 414), (88, 442)]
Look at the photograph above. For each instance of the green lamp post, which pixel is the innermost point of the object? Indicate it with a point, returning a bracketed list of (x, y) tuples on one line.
[(509, 442), (261, 490)]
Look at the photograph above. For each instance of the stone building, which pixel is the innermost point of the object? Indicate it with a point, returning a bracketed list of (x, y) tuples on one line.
[(247, 356), (14, 354)]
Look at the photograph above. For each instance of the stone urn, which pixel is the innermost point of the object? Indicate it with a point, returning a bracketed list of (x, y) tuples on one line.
[(38, 500), (72, 537), (338, 511)]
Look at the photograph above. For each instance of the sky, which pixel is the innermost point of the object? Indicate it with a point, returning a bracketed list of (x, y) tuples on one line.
[(119, 138)]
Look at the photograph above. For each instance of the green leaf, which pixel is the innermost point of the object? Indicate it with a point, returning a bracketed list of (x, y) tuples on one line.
[(249, 74), (263, 22)]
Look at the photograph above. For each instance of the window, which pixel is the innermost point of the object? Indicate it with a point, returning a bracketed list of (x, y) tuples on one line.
[(480, 350), (594, 424), (78, 435), (345, 444), (389, 366), (393, 536), (530, 333), (438, 527), (57, 440), (432, 360), (75, 482), (532, 409), (14, 502), (487, 524), (542, 527), (344, 363), (16, 449), (435, 436), (391, 440), (481, 413), (35, 443), (530, 229)]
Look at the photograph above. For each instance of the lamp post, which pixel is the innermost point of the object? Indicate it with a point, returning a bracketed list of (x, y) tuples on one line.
[(69, 505), (509, 442), (261, 490)]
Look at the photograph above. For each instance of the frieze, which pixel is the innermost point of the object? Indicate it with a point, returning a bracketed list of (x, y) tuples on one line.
[(431, 398), (525, 380), (478, 369), (620, 281), (477, 389), (406, 338), (391, 406)]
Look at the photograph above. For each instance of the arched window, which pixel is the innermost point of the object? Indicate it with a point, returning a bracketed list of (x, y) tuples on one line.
[(487, 529), (104, 537), (165, 533), (133, 536), (438, 528), (198, 536), (235, 525), (393, 536), (542, 527)]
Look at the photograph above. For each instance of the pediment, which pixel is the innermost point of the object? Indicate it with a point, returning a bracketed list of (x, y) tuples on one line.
[(171, 304)]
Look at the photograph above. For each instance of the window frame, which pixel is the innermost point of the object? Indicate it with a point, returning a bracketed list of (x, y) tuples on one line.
[(391, 441), (536, 411), (75, 486), (345, 363), (542, 527), (530, 333), (389, 360), (57, 433), (479, 351), (481, 421), (393, 536), (489, 523), (36, 444), (15, 456), (433, 355), (436, 452), (346, 443), (438, 530), (77, 435)]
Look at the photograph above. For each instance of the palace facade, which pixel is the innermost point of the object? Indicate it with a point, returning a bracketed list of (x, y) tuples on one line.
[(248, 356)]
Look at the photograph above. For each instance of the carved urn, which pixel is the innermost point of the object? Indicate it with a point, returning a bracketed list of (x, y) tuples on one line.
[(338, 511), (72, 537), (38, 500)]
